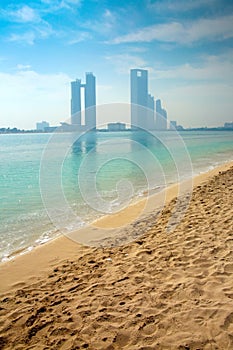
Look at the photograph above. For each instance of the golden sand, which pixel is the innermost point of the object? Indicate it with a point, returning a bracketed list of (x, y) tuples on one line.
[(160, 291)]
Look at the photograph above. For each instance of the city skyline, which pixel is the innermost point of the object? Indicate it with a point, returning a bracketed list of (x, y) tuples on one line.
[(144, 115), (186, 47)]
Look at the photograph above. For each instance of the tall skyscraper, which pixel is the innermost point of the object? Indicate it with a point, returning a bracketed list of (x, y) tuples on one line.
[(142, 103), (90, 102), (161, 117), (76, 102), (139, 97)]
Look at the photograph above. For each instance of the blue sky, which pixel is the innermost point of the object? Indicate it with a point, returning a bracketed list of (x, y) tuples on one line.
[(187, 46)]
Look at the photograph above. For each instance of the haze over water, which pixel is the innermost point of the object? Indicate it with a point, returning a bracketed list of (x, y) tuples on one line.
[(120, 179)]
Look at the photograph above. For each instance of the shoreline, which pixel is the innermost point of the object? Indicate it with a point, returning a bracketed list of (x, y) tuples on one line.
[(38, 261), (137, 201), (161, 290)]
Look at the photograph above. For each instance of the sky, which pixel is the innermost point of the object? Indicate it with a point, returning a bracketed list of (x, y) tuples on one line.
[(186, 45)]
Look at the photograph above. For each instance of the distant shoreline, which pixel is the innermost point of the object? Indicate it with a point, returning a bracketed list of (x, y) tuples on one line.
[(8, 132)]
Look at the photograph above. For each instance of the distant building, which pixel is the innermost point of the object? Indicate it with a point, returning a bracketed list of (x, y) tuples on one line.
[(161, 117), (173, 125), (51, 128), (179, 128), (76, 102), (41, 126), (151, 113), (228, 125), (116, 126), (139, 97), (90, 103), (142, 103)]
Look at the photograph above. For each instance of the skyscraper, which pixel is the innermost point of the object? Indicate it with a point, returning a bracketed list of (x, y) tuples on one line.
[(139, 97), (76, 102), (150, 113), (90, 103), (161, 117), (142, 103)]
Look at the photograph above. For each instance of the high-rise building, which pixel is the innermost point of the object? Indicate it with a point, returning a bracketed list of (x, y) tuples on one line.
[(142, 103), (150, 113), (161, 117), (139, 97), (90, 103), (76, 102)]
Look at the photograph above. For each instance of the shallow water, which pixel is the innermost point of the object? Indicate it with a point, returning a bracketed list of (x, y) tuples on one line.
[(50, 182)]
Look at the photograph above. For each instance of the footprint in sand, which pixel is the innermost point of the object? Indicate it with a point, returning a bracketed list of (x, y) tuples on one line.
[(228, 268), (149, 329), (121, 339), (228, 323)]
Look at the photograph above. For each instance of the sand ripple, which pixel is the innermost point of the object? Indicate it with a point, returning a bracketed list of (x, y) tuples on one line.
[(162, 291)]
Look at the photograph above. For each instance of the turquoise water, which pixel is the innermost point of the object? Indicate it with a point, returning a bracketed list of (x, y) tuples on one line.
[(50, 183)]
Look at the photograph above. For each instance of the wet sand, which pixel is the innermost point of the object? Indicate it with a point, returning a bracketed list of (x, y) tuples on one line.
[(155, 290)]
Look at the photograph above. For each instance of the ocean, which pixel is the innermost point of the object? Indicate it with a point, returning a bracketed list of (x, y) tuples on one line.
[(60, 182)]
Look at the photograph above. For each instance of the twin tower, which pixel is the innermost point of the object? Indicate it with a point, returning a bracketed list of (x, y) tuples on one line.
[(145, 113), (90, 103)]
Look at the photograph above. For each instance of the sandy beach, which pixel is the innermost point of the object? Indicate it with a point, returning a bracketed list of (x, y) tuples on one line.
[(152, 290)]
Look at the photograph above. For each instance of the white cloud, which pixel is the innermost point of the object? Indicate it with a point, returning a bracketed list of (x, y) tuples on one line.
[(44, 30), (134, 49), (183, 33), (24, 38), (72, 2), (27, 14), (79, 37), (24, 14), (105, 25), (178, 5), (69, 4), (27, 97), (32, 24), (23, 66), (41, 31), (56, 5)]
